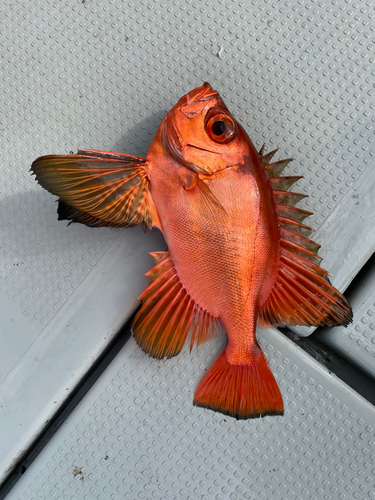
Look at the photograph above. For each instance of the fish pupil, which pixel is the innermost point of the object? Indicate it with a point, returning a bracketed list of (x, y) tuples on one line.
[(218, 128)]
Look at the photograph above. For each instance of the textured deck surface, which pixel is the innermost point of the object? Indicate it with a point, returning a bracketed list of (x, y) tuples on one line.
[(137, 435), (357, 342), (101, 74)]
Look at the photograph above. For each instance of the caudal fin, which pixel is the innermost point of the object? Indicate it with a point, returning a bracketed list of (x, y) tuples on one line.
[(241, 391)]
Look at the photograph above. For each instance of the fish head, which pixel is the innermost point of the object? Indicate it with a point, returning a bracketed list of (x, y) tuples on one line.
[(200, 133)]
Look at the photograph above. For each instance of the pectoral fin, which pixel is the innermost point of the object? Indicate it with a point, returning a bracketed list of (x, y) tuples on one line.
[(99, 188), (203, 198)]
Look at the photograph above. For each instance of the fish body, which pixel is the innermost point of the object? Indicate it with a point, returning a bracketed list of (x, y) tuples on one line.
[(238, 251), (226, 259)]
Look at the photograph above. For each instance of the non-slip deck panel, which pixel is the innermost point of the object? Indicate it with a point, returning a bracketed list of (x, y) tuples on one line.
[(136, 434), (357, 342), (102, 74)]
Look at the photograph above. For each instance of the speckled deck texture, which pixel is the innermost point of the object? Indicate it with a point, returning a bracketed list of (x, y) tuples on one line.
[(137, 435), (298, 75), (357, 342)]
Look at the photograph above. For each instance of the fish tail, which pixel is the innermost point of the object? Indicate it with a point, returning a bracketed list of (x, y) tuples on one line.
[(240, 391)]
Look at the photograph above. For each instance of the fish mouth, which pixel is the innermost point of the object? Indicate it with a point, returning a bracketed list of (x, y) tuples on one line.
[(188, 145), (200, 94), (193, 102)]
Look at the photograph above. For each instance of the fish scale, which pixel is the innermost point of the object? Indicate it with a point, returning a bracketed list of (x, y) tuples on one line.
[(238, 251)]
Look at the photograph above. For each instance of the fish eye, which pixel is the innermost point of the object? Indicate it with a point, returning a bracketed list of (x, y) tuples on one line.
[(221, 128), (218, 127)]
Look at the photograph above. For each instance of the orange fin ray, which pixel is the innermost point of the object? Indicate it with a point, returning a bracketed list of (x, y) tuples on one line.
[(319, 289), (195, 328), (162, 324), (210, 329), (160, 269), (159, 256), (99, 188), (299, 250), (164, 312), (295, 226), (283, 305), (290, 235), (240, 391), (66, 212), (105, 155), (157, 283), (292, 259), (302, 294), (288, 212), (157, 299)]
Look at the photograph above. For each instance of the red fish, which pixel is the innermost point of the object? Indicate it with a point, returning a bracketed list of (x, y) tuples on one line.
[(238, 251)]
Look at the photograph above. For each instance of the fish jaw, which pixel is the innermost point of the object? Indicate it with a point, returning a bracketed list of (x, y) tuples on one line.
[(197, 95)]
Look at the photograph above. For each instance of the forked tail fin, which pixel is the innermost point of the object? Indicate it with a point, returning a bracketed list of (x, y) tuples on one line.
[(240, 391)]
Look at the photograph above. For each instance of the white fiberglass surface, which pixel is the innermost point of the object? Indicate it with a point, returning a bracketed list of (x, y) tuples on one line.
[(298, 75)]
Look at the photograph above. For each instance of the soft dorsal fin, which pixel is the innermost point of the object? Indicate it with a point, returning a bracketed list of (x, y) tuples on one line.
[(167, 313), (302, 294), (99, 188)]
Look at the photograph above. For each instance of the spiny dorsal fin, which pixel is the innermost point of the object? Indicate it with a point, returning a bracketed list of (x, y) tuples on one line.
[(302, 294), (275, 169), (260, 153), (284, 183), (297, 249), (267, 157), (289, 234), (297, 214), (287, 198), (167, 313)]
